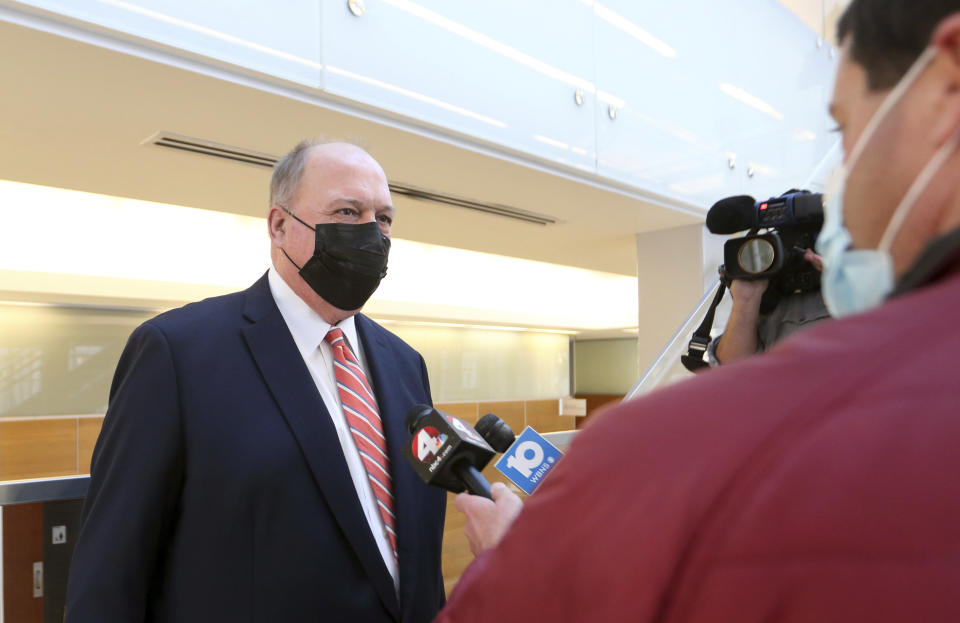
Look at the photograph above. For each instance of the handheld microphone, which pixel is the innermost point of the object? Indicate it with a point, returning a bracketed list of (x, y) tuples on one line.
[(495, 432), (446, 452), (733, 214), (526, 459)]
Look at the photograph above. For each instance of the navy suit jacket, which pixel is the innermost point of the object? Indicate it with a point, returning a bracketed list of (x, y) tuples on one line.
[(219, 490)]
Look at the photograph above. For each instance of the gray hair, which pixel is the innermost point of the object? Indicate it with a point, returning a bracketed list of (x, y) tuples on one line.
[(288, 171)]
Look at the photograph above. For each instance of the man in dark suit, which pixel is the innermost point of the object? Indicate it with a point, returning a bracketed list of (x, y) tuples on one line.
[(249, 467)]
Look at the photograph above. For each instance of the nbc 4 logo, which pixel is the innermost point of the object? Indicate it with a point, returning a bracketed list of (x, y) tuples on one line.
[(427, 443)]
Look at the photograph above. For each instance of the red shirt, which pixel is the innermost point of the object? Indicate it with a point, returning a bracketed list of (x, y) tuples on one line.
[(818, 482)]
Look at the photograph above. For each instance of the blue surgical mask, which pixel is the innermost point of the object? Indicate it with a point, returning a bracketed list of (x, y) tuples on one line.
[(855, 280)]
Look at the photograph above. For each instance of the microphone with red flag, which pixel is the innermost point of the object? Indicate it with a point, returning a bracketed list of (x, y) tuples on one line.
[(446, 452)]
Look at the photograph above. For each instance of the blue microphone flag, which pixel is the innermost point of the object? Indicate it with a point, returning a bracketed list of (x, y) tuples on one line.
[(528, 461)]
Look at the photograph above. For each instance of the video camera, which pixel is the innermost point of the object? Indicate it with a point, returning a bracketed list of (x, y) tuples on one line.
[(792, 222)]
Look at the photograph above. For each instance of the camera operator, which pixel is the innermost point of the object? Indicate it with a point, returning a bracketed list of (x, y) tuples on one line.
[(749, 331), (771, 271), (815, 483)]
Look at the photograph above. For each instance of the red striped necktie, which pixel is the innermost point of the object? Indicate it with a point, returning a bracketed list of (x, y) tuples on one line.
[(360, 410)]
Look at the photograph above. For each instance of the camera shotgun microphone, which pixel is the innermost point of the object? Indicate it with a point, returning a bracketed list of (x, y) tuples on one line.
[(733, 214), (446, 452)]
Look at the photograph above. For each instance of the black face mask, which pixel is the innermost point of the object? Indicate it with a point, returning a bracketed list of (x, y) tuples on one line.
[(348, 262)]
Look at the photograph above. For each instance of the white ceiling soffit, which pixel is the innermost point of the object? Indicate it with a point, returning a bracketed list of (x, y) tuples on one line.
[(77, 112), (249, 156)]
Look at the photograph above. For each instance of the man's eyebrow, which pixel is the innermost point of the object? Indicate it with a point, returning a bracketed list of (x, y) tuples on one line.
[(832, 110), (359, 204), (353, 202)]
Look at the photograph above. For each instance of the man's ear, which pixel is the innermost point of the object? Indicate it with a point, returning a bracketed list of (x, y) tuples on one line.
[(276, 225), (946, 38)]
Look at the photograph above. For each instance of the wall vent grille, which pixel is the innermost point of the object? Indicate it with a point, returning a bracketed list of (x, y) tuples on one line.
[(240, 154)]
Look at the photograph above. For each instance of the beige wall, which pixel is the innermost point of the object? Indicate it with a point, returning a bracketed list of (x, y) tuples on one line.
[(670, 283)]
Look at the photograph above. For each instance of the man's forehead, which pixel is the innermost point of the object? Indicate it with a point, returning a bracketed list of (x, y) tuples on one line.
[(343, 172), (340, 156)]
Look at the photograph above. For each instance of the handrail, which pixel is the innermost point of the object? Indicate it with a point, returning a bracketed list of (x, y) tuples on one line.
[(670, 354), (43, 489)]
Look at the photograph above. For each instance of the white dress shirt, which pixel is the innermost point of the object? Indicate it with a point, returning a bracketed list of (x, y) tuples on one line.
[(309, 330)]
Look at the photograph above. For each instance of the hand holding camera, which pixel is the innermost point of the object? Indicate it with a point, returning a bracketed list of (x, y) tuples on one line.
[(773, 275)]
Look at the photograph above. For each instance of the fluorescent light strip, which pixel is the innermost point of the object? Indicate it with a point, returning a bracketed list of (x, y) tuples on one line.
[(620, 22), (486, 288), (132, 250), (216, 34), (102, 236), (580, 151), (750, 100), (501, 48), (551, 141), (417, 96)]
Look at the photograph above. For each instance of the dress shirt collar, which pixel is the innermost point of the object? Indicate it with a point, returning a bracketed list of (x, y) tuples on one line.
[(307, 326)]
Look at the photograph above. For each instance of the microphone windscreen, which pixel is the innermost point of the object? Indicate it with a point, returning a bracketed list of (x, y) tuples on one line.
[(415, 414), (495, 432), (733, 214)]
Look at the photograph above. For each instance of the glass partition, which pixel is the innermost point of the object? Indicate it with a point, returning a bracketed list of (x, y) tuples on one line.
[(518, 74), (667, 368), (467, 364), (710, 112), (59, 360)]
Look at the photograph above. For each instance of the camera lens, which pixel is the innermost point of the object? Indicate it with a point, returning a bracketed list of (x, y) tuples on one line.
[(756, 256)]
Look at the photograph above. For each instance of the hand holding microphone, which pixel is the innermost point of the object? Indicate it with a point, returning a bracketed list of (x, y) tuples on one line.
[(446, 451), (526, 462), (449, 453), (488, 521)]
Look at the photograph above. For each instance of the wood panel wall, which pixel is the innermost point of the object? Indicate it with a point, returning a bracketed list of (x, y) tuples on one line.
[(22, 546), (39, 448), (597, 402), (45, 447)]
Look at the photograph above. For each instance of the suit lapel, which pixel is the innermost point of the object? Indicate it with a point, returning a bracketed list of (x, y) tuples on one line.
[(387, 375), (294, 391)]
